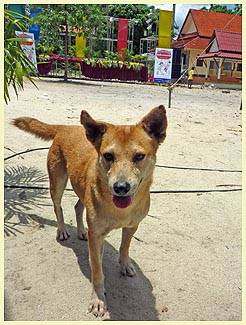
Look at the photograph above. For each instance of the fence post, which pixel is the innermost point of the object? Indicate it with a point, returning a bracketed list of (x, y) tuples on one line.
[(169, 96)]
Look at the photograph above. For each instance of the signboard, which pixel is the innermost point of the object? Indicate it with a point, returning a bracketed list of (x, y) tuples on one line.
[(163, 65), (28, 45)]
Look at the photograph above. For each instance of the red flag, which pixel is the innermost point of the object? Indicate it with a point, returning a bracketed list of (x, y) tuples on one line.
[(122, 37)]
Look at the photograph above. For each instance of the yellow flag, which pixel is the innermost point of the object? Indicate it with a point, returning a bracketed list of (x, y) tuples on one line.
[(80, 44), (165, 28)]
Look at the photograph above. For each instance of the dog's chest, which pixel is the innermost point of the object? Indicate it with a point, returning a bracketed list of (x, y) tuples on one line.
[(126, 219)]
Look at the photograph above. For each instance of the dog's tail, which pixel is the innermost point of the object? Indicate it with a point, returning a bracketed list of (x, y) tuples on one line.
[(36, 127)]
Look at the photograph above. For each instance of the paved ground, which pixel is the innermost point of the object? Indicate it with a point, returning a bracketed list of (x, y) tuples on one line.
[(187, 251)]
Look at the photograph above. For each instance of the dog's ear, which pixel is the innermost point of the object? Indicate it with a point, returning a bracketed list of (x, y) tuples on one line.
[(155, 123), (94, 129)]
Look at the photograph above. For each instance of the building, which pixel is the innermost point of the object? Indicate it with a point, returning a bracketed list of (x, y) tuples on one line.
[(196, 33), (223, 57)]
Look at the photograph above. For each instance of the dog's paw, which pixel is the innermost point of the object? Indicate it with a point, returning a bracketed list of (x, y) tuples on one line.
[(98, 307), (62, 234), (82, 234), (127, 269)]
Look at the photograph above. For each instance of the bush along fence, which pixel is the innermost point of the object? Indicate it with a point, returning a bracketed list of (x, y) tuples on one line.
[(101, 69)]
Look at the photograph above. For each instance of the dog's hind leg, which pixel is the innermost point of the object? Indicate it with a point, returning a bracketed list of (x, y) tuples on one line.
[(79, 208), (58, 180)]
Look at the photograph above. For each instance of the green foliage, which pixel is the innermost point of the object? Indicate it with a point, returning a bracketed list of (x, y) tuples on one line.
[(72, 50), (140, 13), (43, 51), (16, 64), (133, 11), (87, 18), (238, 9), (87, 52), (91, 19), (223, 8), (108, 63), (220, 8), (131, 57), (139, 58), (108, 56), (111, 55), (90, 53), (128, 55)]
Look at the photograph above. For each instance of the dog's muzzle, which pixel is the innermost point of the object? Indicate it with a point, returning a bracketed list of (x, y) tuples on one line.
[(121, 188), (121, 199)]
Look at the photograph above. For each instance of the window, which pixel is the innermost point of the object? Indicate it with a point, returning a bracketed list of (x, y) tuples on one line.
[(199, 63), (239, 67), (227, 66), (212, 65)]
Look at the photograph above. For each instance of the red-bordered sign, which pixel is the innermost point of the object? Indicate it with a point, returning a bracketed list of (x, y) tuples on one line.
[(163, 54)]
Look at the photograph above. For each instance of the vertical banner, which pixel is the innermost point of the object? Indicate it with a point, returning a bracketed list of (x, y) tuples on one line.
[(28, 45), (165, 28), (122, 37), (80, 44), (35, 29), (18, 10), (163, 65)]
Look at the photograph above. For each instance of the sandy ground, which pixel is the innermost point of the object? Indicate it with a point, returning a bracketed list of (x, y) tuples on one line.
[(187, 251)]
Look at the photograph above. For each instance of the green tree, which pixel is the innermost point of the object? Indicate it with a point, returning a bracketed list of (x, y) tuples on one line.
[(55, 18), (217, 8), (223, 8), (16, 64), (238, 9), (220, 8)]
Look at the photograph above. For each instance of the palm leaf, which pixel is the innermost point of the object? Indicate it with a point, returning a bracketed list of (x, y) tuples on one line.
[(16, 64)]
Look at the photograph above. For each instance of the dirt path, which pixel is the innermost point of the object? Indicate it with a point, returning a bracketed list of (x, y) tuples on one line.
[(187, 251)]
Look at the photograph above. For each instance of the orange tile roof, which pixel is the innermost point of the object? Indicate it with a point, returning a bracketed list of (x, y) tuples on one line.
[(206, 22), (229, 45), (222, 54), (196, 42), (229, 41)]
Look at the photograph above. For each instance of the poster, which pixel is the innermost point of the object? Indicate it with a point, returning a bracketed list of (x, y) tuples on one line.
[(163, 65), (28, 45)]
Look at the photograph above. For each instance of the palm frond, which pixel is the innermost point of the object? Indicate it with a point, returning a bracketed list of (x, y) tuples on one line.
[(16, 64), (18, 202)]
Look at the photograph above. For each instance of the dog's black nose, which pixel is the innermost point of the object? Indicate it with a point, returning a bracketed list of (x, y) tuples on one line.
[(121, 188)]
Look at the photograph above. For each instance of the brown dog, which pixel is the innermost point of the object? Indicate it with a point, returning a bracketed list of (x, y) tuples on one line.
[(111, 174)]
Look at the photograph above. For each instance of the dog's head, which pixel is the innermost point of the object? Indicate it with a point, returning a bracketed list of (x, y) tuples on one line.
[(126, 153)]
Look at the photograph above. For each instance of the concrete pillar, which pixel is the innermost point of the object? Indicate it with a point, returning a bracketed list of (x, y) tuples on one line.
[(219, 70), (182, 61), (207, 68)]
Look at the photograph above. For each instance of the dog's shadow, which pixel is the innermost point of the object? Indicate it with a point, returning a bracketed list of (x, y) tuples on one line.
[(127, 298)]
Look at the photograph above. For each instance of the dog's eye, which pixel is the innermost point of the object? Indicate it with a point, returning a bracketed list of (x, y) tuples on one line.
[(138, 157), (108, 156)]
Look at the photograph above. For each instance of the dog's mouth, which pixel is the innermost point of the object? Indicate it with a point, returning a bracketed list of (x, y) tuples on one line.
[(122, 201)]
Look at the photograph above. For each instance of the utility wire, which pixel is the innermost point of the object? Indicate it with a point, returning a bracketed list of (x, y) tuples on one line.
[(151, 192), (160, 166), (23, 152), (203, 169)]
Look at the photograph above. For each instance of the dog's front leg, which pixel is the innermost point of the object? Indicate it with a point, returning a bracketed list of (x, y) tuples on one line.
[(98, 306), (126, 267)]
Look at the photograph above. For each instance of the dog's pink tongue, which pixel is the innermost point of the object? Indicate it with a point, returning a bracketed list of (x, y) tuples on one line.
[(122, 201)]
